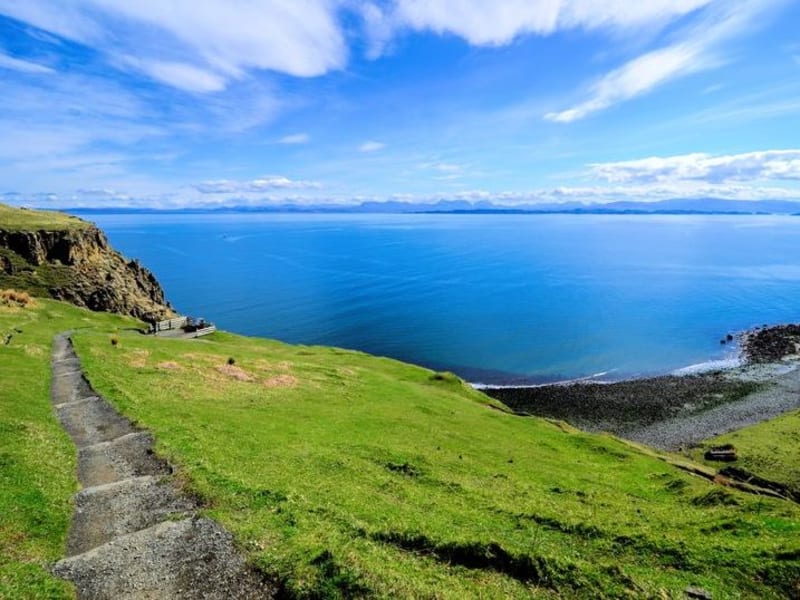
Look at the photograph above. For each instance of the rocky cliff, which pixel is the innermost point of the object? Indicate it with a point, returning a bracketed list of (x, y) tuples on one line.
[(79, 266)]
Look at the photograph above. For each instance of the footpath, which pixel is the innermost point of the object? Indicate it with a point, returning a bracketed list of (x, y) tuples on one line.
[(134, 534)]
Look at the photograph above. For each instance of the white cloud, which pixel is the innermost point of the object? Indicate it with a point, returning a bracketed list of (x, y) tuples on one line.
[(484, 23), (23, 66), (697, 49), (200, 45), (179, 75), (635, 78), (272, 182), (371, 146), (296, 138), (747, 167)]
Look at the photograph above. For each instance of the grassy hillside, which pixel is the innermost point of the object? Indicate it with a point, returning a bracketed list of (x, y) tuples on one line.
[(345, 475), (18, 219), (770, 450), (37, 460)]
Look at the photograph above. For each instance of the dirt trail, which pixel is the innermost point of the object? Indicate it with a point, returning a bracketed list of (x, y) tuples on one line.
[(134, 534)]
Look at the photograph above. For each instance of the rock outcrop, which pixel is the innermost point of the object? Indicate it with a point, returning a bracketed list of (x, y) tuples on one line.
[(79, 266)]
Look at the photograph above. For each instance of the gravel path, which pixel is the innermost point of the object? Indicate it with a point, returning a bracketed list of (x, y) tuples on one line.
[(134, 534), (782, 395)]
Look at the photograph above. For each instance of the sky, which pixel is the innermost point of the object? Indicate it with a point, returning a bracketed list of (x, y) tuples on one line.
[(205, 103)]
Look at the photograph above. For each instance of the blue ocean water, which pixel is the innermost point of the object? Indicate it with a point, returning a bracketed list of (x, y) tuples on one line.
[(495, 298)]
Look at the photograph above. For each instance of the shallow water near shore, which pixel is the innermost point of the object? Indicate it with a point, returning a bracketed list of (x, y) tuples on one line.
[(499, 299)]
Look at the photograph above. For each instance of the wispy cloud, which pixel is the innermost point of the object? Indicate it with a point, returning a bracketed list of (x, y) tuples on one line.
[(198, 46), (635, 78), (296, 138), (272, 182), (371, 146), (484, 23), (179, 75), (23, 66), (747, 167), (698, 48)]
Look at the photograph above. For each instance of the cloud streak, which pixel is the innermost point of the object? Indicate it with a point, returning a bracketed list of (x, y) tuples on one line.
[(636, 78), (201, 46), (371, 146), (747, 167), (698, 49), (296, 138), (484, 23), (23, 66), (264, 184)]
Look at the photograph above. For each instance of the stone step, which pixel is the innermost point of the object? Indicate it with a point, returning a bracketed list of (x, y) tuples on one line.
[(191, 558), (69, 387), (127, 456), (67, 362), (76, 402), (92, 420), (105, 512)]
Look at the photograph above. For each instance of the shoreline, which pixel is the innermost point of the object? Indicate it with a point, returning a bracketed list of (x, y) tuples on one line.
[(684, 407)]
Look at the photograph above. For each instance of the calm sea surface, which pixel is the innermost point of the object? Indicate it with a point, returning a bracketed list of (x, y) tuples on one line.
[(495, 298)]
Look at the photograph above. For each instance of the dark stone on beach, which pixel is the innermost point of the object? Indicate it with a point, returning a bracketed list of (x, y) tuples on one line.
[(729, 337), (626, 405), (771, 343)]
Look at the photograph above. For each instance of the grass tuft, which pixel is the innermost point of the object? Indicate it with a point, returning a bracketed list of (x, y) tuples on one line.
[(15, 299)]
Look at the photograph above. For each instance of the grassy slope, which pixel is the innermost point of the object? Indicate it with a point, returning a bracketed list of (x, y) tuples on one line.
[(37, 460), (770, 450), (343, 473), (16, 219)]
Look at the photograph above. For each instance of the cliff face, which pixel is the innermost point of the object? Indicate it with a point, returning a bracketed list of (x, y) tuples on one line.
[(79, 266)]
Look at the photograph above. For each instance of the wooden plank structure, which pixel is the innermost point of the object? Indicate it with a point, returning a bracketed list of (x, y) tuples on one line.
[(182, 327)]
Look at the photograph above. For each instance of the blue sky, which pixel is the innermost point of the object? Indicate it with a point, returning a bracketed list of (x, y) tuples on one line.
[(171, 103)]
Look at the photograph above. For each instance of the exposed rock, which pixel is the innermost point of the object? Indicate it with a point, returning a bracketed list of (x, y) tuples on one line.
[(79, 266), (698, 593), (6, 266), (770, 344)]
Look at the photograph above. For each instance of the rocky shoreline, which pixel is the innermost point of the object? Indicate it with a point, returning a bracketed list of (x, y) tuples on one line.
[(674, 411)]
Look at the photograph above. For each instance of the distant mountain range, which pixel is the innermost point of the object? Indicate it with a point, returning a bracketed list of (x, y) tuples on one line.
[(674, 206)]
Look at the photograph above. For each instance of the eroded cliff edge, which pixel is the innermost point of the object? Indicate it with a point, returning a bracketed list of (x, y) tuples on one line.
[(78, 265)]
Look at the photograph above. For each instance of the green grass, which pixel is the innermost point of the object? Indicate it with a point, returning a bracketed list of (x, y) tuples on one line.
[(16, 219), (37, 459), (770, 450), (343, 474)]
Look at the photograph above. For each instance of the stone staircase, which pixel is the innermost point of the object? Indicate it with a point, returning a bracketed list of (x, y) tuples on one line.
[(134, 534)]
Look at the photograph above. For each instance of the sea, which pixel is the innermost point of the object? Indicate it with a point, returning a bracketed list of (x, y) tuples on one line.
[(497, 299)]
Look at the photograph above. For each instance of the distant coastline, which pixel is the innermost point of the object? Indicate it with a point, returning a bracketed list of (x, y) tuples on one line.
[(693, 206)]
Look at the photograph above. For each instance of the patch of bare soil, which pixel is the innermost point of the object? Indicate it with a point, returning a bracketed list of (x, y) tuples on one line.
[(234, 372), (169, 365), (138, 358), (281, 381)]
